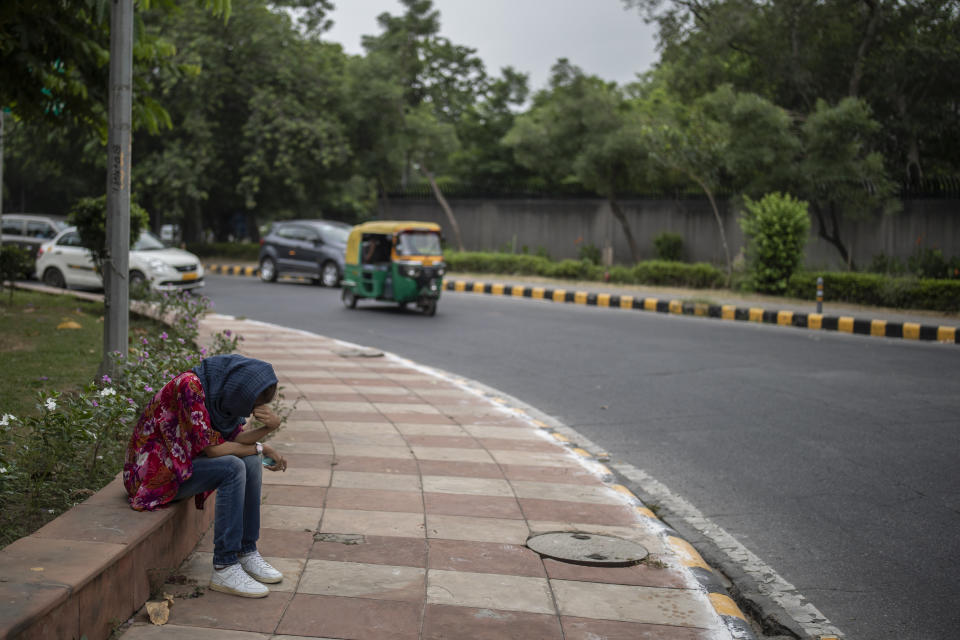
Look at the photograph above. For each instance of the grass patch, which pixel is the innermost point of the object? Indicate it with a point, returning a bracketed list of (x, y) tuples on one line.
[(38, 356)]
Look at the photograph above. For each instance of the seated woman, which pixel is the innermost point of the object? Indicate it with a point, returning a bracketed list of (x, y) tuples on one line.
[(190, 441)]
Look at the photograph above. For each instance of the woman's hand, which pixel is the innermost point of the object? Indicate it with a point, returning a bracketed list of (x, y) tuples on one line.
[(279, 464), (269, 419)]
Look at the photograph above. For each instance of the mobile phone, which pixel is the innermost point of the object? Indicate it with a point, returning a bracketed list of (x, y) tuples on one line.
[(268, 461)]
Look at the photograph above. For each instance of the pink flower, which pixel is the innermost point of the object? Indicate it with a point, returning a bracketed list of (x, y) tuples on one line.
[(106, 378), (163, 336), (96, 404), (147, 387), (144, 341)]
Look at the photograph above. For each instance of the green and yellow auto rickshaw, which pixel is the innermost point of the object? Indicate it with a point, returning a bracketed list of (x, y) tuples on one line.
[(394, 261)]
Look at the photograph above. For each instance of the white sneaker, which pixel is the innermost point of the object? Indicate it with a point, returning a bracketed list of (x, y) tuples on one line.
[(233, 579), (254, 564)]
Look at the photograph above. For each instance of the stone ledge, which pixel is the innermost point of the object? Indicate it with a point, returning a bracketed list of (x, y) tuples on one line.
[(90, 568)]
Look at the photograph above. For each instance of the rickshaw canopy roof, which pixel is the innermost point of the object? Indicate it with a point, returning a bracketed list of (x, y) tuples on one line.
[(382, 227), (390, 227)]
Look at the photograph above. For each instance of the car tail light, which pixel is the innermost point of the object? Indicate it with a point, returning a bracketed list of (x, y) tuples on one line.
[(261, 241), (40, 251)]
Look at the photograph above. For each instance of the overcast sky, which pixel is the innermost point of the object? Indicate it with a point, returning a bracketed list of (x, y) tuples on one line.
[(600, 36)]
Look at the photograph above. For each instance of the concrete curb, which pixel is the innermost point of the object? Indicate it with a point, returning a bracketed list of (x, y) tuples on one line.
[(232, 270), (712, 582), (250, 272), (813, 321)]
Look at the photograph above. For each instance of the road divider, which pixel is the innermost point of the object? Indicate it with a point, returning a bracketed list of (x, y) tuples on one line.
[(240, 270), (812, 321), (232, 270)]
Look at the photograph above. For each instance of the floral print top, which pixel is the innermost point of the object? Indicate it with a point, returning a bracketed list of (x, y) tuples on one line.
[(174, 428)]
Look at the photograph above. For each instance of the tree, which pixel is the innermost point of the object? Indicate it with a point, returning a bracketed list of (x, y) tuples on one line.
[(482, 161), (839, 173), (761, 148), (689, 141), (429, 143), (433, 74), (583, 129), (46, 169), (54, 55), (724, 139), (258, 133), (899, 57)]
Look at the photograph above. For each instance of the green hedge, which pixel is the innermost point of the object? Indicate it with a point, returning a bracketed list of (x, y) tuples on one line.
[(858, 288), (247, 251), (878, 290), (655, 272)]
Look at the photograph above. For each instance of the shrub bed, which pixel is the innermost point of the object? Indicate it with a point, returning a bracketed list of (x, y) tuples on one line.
[(878, 290), (655, 272), (246, 251), (74, 443)]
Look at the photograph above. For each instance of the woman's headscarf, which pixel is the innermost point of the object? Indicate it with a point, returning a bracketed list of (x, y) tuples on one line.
[(231, 385)]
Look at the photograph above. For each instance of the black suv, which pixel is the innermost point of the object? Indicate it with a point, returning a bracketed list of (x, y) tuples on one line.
[(311, 248)]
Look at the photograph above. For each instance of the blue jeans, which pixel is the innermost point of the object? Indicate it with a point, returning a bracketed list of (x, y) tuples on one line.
[(236, 523)]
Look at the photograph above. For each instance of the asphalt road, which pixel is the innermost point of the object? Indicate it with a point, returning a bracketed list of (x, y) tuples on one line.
[(835, 458)]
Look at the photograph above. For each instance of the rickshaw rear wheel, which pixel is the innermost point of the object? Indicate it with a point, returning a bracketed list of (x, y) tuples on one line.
[(429, 307), (349, 299)]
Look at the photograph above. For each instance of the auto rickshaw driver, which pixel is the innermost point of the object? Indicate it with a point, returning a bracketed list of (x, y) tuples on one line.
[(375, 256)]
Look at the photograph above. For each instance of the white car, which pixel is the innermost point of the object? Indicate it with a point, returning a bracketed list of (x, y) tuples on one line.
[(64, 262)]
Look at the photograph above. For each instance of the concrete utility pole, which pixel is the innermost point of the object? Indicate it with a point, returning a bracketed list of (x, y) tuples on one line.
[(116, 265), (2, 114)]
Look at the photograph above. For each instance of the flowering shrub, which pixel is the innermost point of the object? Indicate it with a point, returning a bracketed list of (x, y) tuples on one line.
[(76, 442)]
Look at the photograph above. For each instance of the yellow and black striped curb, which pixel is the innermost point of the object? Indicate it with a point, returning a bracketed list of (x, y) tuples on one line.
[(232, 270), (816, 321), (723, 604), (237, 270)]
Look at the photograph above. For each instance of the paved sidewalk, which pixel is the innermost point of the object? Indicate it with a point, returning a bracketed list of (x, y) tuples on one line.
[(405, 511)]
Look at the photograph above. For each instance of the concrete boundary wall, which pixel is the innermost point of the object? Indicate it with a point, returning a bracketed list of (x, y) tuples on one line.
[(562, 226)]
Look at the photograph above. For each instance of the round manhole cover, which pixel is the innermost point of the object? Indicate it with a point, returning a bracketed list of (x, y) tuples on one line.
[(581, 547)]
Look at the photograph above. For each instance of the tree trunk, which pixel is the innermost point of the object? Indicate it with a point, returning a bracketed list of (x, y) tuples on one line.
[(253, 230), (625, 224), (716, 215), (444, 205), (192, 223), (857, 76), (833, 235), (914, 170)]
